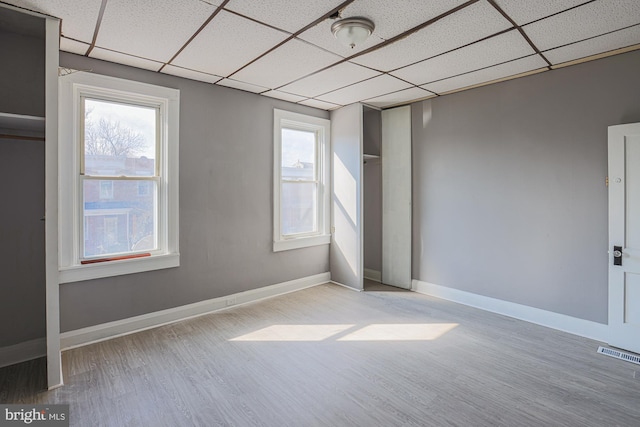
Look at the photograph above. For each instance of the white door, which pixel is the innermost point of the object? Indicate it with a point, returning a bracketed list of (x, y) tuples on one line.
[(346, 249), (396, 197), (624, 236)]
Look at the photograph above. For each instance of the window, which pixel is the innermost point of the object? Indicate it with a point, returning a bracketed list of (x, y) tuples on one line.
[(143, 188), (301, 179), (119, 177), (106, 189)]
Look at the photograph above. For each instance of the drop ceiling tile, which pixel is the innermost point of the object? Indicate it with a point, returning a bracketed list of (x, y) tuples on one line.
[(154, 29), (121, 58), (465, 26), (333, 78), (524, 12), (492, 51), (288, 15), (291, 61), (320, 104), (496, 72), (590, 20), (73, 46), (190, 74), (390, 18), (284, 96), (228, 43), (247, 87), (371, 88), (395, 17), (400, 97), (616, 40), (79, 17)]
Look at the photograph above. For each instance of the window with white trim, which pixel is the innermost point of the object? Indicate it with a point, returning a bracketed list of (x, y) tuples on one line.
[(118, 207), (301, 180)]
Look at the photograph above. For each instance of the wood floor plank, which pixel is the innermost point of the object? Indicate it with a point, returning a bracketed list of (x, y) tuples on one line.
[(328, 356)]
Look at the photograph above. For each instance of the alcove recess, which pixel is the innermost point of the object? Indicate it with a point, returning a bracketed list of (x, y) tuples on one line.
[(372, 193), (22, 185)]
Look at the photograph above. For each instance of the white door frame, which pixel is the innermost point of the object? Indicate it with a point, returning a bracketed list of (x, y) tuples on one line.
[(52, 52)]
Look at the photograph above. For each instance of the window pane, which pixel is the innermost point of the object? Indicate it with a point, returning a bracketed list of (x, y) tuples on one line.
[(106, 189), (144, 188), (298, 154), (119, 139), (125, 223), (298, 208)]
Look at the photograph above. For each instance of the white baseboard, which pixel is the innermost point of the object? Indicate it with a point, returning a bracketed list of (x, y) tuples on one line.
[(561, 322), (374, 275), (23, 351), (105, 331)]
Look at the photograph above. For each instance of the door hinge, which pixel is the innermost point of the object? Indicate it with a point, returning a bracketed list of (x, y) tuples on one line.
[(606, 181)]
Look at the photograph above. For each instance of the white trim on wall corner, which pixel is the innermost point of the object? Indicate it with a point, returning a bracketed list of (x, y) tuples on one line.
[(23, 351), (105, 331), (374, 275), (573, 325)]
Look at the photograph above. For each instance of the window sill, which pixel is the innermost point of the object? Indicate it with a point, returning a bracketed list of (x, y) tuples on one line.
[(78, 273), (301, 242)]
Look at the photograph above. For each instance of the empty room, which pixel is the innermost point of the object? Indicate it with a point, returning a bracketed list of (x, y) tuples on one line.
[(320, 213)]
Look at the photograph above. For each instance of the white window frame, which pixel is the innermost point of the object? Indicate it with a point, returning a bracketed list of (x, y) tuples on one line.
[(322, 129), (73, 87)]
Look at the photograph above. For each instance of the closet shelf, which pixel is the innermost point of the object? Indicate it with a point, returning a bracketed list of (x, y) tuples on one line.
[(20, 126)]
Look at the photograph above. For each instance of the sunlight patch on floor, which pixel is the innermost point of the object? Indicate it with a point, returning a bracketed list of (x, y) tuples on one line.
[(400, 332), (374, 332), (294, 333)]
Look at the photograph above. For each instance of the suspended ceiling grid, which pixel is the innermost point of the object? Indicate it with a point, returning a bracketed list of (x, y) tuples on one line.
[(284, 48)]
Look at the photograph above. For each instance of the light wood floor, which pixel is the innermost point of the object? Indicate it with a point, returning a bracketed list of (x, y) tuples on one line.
[(328, 356)]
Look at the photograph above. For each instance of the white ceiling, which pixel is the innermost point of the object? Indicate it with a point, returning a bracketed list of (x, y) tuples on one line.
[(284, 48)]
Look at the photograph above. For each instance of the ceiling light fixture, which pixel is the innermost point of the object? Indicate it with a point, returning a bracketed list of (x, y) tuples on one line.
[(352, 31)]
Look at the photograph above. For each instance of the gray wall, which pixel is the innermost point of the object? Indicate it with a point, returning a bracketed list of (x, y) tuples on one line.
[(509, 185), (226, 207), (22, 70), (22, 284), (371, 130), (372, 182)]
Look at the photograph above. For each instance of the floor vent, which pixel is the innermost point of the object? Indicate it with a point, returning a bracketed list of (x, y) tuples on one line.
[(619, 355)]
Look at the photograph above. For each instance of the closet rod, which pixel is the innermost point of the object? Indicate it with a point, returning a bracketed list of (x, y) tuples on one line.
[(20, 137)]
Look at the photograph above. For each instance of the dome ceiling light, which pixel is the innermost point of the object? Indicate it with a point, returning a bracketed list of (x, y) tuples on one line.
[(352, 31)]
